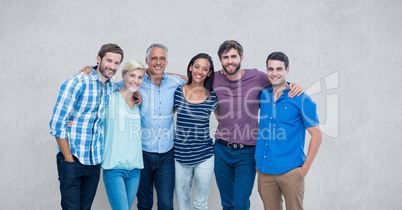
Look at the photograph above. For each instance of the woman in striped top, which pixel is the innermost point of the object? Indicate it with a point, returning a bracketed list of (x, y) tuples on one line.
[(193, 145)]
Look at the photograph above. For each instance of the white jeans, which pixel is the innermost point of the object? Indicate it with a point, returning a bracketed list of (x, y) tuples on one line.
[(201, 174)]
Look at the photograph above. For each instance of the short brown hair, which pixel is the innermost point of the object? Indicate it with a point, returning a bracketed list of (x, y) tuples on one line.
[(113, 48), (229, 44)]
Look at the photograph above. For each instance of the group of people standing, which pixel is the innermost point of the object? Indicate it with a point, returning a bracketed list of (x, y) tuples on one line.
[(127, 129)]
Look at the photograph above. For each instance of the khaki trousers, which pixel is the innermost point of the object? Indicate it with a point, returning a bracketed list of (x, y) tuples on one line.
[(290, 185)]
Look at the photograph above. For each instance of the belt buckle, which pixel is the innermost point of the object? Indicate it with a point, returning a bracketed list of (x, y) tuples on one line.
[(232, 145)]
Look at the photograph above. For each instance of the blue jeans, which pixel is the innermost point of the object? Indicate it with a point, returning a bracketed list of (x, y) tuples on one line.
[(202, 174), (78, 183), (235, 174), (121, 187), (159, 171)]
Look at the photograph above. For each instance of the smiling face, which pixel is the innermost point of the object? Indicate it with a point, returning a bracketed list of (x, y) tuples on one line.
[(231, 61), (200, 70), (277, 72), (109, 64), (133, 79), (157, 61)]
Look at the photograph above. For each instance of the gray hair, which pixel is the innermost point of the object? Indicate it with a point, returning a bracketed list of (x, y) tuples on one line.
[(156, 45)]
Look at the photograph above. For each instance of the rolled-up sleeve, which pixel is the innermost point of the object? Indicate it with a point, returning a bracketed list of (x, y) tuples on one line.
[(69, 92)]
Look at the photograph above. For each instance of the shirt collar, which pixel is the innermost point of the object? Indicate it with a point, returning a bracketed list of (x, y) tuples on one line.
[(270, 89), (146, 76), (96, 76)]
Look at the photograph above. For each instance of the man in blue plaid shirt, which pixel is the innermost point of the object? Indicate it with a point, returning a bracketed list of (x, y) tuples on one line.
[(83, 100)]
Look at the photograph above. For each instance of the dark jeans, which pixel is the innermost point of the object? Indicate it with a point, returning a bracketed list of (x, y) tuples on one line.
[(78, 183), (235, 174), (159, 171)]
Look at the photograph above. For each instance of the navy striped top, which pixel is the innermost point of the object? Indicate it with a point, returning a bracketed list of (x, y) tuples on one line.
[(193, 143)]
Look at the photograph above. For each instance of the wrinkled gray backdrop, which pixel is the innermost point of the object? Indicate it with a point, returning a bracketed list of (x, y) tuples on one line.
[(347, 55)]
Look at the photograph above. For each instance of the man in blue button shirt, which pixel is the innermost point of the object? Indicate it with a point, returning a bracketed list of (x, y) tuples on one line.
[(157, 91), (83, 100), (280, 158)]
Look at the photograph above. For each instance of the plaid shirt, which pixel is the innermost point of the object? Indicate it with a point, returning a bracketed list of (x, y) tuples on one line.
[(83, 100)]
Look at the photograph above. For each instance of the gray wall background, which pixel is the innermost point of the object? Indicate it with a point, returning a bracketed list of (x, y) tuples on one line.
[(349, 49)]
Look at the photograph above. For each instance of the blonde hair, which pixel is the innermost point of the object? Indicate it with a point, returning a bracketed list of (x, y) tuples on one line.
[(131, 65)]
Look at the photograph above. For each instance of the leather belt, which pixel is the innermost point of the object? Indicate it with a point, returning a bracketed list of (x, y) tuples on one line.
[(232, 145)]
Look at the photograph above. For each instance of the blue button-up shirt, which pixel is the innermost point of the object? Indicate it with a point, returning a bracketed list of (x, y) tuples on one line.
[(282, 129), (157, 112), (83, 100)]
